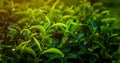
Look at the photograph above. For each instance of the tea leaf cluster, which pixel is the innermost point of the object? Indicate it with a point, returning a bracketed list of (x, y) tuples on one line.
[(52, 32)]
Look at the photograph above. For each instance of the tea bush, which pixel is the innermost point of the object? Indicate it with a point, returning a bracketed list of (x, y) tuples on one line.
[(52, 32)]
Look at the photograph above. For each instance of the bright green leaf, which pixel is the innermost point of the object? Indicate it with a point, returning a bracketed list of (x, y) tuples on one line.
[(53, 50), (59, 24), (38, 43), (47, 18)]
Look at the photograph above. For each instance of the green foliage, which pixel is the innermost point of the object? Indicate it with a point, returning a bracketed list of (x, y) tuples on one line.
[(51, 31)]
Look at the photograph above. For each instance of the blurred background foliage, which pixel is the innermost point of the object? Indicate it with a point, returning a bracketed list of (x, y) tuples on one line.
[(114, 7)]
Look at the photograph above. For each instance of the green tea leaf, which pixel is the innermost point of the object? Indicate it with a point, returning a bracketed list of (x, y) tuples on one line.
[(26, 31), (38, 43), (53, 50), (30, 51), (81, 35), (66, 16), (68, 23), (23, 20), (107, 20), (47, 18), (100, 44), (33, 34), (64, 39), (22, 44), (46, 25), (22, 47), (98, 4), (106, 12), (41, 28), (53, 56), (73, 56), (73, 28), (54, 5), (59, 24)]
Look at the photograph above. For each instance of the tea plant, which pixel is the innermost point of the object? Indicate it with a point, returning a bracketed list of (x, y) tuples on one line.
[(54, 32)]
